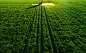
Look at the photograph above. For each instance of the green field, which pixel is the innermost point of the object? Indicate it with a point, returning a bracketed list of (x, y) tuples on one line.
[(25, 28)]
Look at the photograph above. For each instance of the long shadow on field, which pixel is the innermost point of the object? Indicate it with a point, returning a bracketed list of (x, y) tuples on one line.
[(34, 6)]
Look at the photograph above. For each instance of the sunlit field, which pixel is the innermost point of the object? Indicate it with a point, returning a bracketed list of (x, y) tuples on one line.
[(56, 26)]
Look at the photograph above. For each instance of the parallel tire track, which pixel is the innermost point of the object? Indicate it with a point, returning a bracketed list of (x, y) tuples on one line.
[(52, 39)]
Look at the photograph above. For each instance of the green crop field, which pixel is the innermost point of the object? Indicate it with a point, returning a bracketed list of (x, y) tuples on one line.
[(60, 28)]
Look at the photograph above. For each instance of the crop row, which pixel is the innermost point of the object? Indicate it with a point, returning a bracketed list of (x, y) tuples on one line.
[(62, 32), (47, 45), (16, 31)]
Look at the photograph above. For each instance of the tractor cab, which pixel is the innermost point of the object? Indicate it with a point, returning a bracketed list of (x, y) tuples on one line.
[(42, 2)]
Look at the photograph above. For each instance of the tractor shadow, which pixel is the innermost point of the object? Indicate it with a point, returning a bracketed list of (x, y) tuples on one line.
[(34, 6)]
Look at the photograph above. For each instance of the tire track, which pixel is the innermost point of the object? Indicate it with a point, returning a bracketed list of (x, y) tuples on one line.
[(41, 33), (52, 39)]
